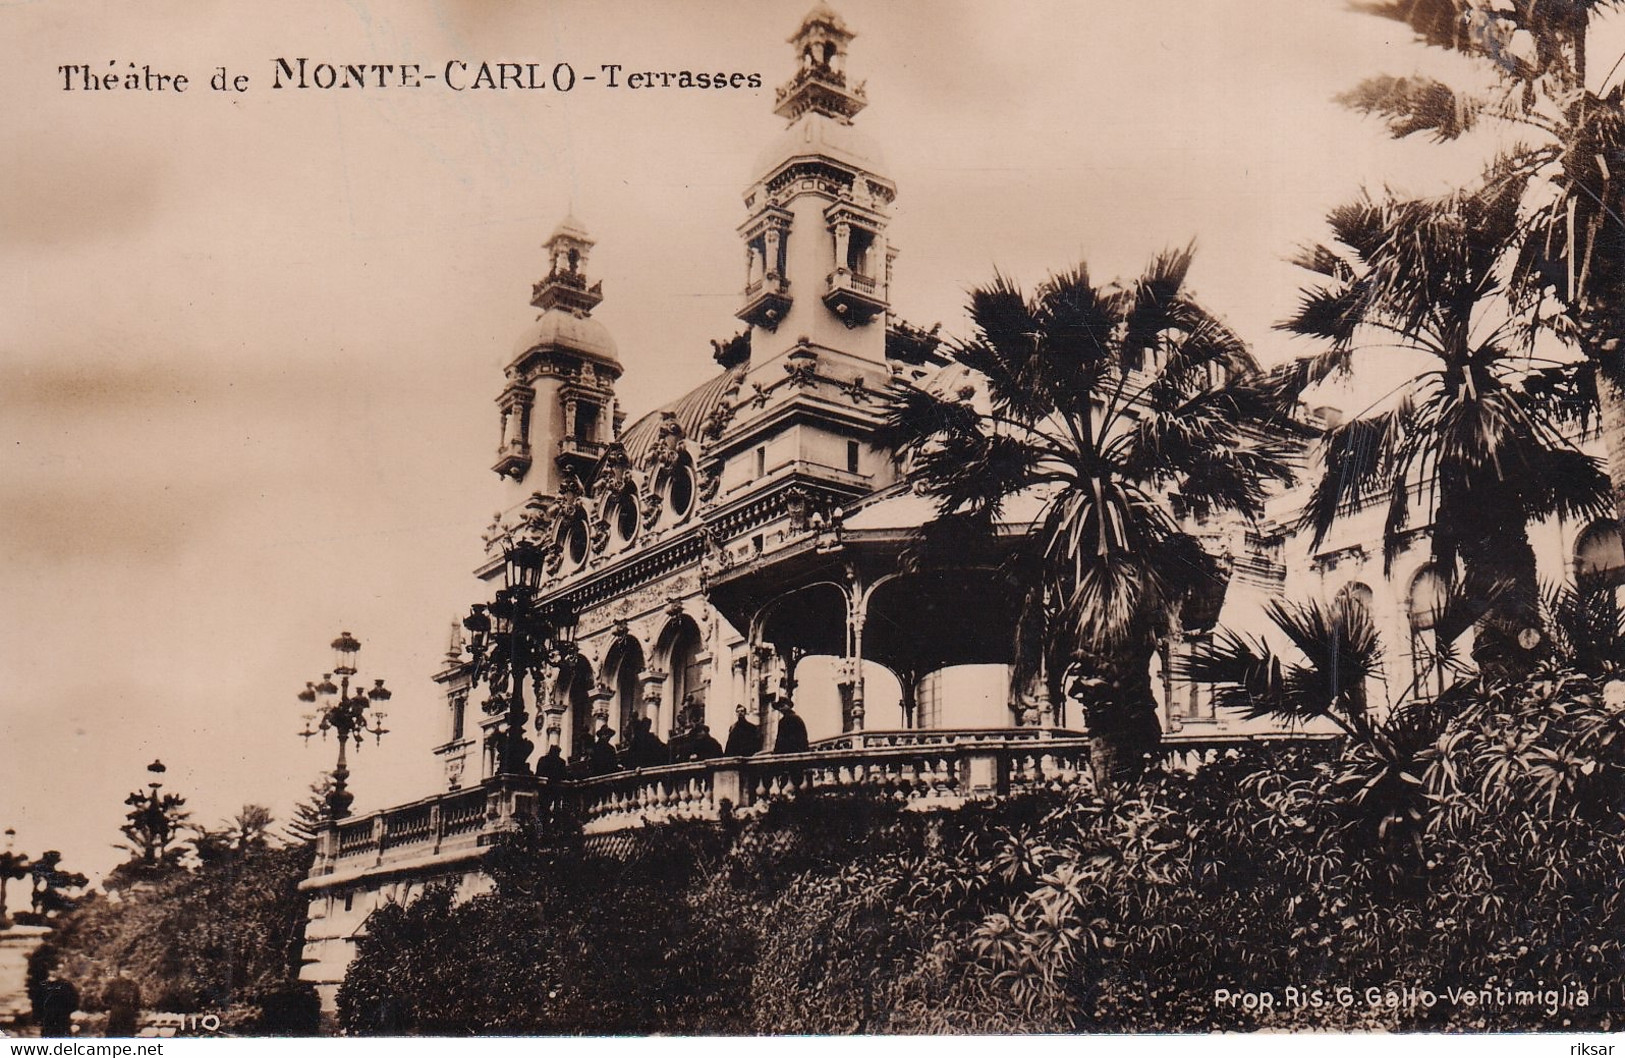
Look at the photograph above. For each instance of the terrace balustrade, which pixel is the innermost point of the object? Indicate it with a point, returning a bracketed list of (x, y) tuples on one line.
[(920, 769)]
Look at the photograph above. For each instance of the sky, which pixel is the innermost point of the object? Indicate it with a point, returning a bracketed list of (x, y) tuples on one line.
[(250, 341)]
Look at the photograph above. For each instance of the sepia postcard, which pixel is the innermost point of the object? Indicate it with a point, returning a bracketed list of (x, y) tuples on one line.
[(812, 518)]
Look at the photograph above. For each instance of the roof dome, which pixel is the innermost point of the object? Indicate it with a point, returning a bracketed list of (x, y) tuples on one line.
[(819, 134), (557, 329), (570, 228)]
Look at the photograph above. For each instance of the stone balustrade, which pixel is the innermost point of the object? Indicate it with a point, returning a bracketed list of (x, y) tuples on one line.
[(920, 769)]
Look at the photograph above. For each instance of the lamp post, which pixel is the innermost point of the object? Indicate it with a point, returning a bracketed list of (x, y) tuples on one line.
[(339, 710), (515, 637)]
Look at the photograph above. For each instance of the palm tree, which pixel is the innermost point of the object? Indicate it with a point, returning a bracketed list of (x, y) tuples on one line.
[(1340, 652), (1468, 438), (1125, 411), (1335, 652), (1570, 156)]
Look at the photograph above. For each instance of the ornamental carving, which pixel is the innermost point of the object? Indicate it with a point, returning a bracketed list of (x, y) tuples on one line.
[(796, 504), (496, 534), (718, 420), (857, 390), (710, 481), (802, 367), (613, 469), (668, 446), (758, 396)]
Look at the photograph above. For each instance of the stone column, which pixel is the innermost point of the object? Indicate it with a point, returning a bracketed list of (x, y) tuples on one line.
[(774, 241), (843, 240)]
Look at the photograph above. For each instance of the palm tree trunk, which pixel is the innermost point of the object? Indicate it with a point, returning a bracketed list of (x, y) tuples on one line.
[(1114, 690), (1500, 565), (1611, 415)]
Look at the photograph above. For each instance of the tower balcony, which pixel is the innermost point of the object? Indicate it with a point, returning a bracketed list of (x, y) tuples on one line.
[(579, 456), (568, 291), (855, 298), (766, 302), (513, 460)]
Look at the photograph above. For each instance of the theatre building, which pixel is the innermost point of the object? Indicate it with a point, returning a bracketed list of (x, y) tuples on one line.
[(742, 545)]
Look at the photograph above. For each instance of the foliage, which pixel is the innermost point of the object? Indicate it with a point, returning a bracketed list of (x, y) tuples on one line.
[(1479, 850), (247, 831), (1565, 255), (49, 896), (225, 935), (1468, 439), (312, 814), (153, 825), (1123, 410), (579, 943)]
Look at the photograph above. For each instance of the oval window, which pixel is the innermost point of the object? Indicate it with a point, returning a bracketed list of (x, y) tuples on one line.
[(680, 493), (625, 519), (573, 543)]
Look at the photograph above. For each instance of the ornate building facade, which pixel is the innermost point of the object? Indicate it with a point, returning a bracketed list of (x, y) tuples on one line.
[(742, 544)]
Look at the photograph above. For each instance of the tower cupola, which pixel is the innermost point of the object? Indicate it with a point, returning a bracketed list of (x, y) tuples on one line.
[(819, 83), (817, 262), (558, 407)]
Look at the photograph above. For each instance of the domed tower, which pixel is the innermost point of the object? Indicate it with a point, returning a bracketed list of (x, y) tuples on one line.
[(817, 262), (558, 407)]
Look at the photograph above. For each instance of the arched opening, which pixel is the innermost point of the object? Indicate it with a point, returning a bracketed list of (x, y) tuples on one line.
[(949, 637), (575, 694), (1358, 597), (1425, 604), (623, 674), (1599, 557), (804, 634), (688, 680)]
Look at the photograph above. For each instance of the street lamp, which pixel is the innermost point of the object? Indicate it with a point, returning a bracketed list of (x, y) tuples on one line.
[(515, 637), (339, 710), (153, 817)]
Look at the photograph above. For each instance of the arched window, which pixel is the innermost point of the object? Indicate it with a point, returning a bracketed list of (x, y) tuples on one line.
[(1599, 557), (575, 693), (690, 680), (1426, 599), (1358, 597), (624, 666), (1425, 603)]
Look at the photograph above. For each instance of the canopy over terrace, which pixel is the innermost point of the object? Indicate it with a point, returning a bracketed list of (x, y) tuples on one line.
[(844, 588)]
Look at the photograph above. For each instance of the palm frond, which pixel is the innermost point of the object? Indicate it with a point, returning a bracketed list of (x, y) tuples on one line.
[(1409, 105)]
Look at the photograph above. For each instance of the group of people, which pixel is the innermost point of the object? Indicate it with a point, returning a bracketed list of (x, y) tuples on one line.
[(645, 749)]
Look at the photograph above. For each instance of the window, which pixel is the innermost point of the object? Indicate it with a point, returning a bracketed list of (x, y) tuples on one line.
[(691, 679), (624, 515), (1426, 602), (459, 709), (851, 457), (573, 540), (627, 684), (680, 493), (761, 461), (858, 255), (1599, 557), (586, 424)]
